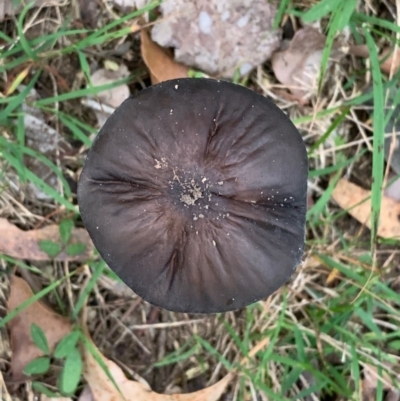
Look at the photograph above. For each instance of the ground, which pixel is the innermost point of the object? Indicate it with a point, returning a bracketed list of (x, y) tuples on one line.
[(322, 334)]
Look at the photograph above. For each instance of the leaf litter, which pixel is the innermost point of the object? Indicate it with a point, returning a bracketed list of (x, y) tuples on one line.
[(304, 93), (357, 201), (389, 57), (369, 385), (162, 66), (103, 389), (21, 244), (297, 64), (55, 327)]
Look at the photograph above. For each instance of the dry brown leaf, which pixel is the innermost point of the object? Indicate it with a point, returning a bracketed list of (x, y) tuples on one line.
[(25, 244), (388, 57), (393, 58), (347, 195), (370, 383), (104, 390), (298, 65), (162, 66), (358, 51), (54, 326)]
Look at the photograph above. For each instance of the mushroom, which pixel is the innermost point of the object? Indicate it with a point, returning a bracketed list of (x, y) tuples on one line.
[(194, 193)]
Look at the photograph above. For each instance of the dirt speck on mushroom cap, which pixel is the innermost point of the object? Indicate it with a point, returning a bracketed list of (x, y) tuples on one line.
[(196, 196)]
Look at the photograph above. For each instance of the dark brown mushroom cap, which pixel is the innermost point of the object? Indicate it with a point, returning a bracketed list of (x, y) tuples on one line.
[(194, 193)]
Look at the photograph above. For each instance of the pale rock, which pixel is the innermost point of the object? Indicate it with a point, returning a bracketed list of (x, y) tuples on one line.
[(218, 36)]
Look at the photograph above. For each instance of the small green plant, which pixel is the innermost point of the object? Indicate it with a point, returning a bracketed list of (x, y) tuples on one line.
[(53, 248), (66, 351), (196, 74)]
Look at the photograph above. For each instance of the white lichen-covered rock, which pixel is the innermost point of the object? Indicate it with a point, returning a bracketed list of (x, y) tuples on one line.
[(218, 36)]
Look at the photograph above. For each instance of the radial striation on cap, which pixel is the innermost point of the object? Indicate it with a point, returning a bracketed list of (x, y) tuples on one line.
[(194, 193)]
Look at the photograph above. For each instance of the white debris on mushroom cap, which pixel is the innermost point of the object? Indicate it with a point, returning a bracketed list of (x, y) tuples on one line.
[(218, 36)]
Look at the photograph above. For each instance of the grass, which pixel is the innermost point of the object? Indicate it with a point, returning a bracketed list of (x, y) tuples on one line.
[(339, 315)]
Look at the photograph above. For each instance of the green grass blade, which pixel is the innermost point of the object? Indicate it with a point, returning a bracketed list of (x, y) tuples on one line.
[(22, 39), (97, 272), (80, 93), (16, 101), (314, 213), (36, 297), (281, 11), (360, 18), (98, 358), (338, 120), (100, 32), (20, 264), (343, 9), (38, 182), (15, 149), (21, 141), (320, 10), (6, 38), (338, 166), (378, 136), (70, 122), (85, 67)]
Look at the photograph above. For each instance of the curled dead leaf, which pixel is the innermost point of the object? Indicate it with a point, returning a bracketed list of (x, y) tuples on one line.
[(348, 196), (53, 325), (297, 66), (161, 65), (103, 388), (390, 57), (25, 244)]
